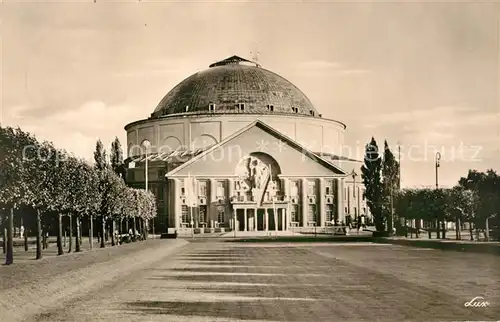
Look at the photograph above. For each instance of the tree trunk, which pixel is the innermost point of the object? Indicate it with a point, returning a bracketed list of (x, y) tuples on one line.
[(103, 230), (146, 232), (26, 240), (438, 226), (127, 224), (70, 248), (78, 236), (4, 239), (91, 232), (113, 228), (457, 228), (444, 228), (60, 250), (38, 235), (10, 239), (471, 231)]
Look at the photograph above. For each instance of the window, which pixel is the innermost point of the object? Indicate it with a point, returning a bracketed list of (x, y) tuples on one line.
[(295, 109), (202, 214), (329, 187), (202, 188), (364, 197), (311, 188), (364, 210), (184, 214), (295, 213), (311, 213), (270, 108), (346, 210), (219, 192), (182, 188), (220, 214), (312, 112), (241, 106), (187, 108), (329, 213), (345, 193), (211, 107), (294, 189)]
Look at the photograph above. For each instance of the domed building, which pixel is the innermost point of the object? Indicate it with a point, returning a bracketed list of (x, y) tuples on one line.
[(238, 147)]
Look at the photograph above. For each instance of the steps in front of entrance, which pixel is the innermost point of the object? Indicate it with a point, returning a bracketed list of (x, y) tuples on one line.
[(259, 233)]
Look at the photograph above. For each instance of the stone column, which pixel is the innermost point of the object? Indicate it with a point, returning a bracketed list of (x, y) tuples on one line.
[(177, 210), (340, 199), (212, 203), (305, 202), (283, 219), (229, 193), (276, 218), (321, 202), (255, 219)]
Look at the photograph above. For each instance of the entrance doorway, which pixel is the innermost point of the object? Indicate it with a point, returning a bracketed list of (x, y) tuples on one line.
[(261, 215)]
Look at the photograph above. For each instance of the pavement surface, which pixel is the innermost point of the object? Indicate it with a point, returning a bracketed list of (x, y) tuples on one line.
[(179, 280)]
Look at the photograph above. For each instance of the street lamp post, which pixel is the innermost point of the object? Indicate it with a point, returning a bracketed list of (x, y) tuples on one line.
[(354, 196), (146, 144), (438, 158)]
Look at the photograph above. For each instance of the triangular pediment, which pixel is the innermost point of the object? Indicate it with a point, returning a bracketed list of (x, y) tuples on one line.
[(258, 138)]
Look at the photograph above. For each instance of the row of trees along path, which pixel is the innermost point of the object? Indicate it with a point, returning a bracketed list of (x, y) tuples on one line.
[(42, 185), (475, 199)]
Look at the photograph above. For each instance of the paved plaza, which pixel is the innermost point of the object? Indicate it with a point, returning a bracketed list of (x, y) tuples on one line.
[(209, 280)]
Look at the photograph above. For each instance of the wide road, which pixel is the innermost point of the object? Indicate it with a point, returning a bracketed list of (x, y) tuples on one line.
[(224, 281)]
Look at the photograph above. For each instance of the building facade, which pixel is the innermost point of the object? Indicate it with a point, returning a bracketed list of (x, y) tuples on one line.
[(239, 147)]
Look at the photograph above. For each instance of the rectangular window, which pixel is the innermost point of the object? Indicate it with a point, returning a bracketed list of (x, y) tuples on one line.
[(241, 106), (294, 213), (311, 188), (329, 213), (219, 189), (202, 214), (329, 187), (220, 214), (211, 107), (184, 214), (312, 112), (202, 188), (182, 188), (294, 188), (311, 213)]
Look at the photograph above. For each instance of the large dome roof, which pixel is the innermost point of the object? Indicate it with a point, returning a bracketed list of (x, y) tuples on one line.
[(235, 85)]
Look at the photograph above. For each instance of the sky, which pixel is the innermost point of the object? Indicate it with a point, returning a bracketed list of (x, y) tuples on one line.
[(423, 75)]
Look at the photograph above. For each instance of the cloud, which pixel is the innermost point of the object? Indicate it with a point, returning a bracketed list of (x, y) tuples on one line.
[(76, 130)]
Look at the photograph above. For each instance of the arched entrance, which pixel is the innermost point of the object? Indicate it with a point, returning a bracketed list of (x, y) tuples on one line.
[(258, 204)]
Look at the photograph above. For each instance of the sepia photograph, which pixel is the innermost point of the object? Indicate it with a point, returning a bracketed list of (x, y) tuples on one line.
[(258, 160)]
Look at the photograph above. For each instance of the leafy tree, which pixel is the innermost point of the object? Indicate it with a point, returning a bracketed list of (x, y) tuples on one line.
[(390, 179), (371, 175), (100, 158), (117, 159)]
